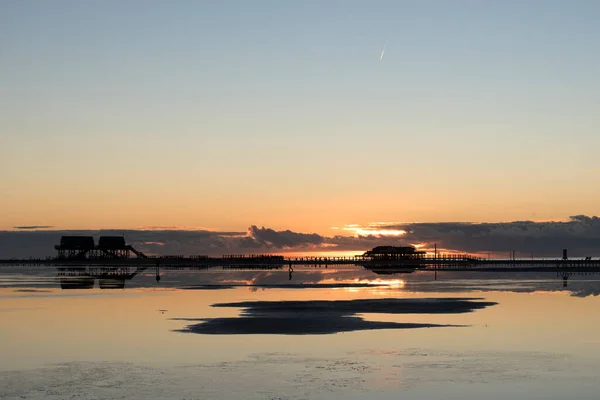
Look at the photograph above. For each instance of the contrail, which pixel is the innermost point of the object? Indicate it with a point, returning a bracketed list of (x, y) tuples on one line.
[(383, 51)]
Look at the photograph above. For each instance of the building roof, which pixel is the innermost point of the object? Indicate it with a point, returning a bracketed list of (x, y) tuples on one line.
[(112, 242), (77, 242), (380, 250)]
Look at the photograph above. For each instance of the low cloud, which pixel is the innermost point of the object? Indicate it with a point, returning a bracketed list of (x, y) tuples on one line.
[(579, 234), (284, 239)]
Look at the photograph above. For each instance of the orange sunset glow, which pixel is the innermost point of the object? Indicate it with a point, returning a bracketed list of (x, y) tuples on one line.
[(332, 199)]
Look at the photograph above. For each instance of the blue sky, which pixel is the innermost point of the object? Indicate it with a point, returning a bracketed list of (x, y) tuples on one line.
[(228, 113)]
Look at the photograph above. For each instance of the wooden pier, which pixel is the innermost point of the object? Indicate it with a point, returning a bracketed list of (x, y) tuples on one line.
[(444, 262), (113, 252)]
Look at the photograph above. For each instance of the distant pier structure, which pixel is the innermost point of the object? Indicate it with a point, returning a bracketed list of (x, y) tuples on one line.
[(84, 248), (113, 251), (386, 253)]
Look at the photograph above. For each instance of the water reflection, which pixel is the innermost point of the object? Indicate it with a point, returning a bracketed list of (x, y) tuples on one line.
[(579, 284), (386, 269), (85, 278), (506, 345)]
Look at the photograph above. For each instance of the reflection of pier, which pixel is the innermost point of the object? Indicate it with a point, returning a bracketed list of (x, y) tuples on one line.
[(565, 277), (249, 267), (75, 278), (116, 277), (389, 270), (85, 278)]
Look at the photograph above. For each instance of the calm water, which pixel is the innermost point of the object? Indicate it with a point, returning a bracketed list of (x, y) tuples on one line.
[(528, 337)]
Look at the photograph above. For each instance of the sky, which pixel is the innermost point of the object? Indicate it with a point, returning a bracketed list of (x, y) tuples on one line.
[(220, 115)]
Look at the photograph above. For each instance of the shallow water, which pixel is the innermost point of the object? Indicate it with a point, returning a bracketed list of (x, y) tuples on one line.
[(534, 338)]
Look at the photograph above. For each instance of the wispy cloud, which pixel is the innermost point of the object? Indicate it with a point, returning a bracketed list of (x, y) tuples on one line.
[(30, 227)]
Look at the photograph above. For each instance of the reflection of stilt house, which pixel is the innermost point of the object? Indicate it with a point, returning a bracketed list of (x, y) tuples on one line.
[(75, 278), (386, 253), (85, 277), (84, 248)]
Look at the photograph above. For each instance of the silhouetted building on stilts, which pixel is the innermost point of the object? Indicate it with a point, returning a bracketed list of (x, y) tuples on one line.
[(84, 248), (394, 253)]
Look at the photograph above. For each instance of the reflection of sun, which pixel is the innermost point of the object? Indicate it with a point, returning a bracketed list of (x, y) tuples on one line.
[(370, 282), (379, 282), (392, 282)]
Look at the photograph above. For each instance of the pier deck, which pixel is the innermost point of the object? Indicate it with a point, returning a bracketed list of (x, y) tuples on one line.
[(458, 263)]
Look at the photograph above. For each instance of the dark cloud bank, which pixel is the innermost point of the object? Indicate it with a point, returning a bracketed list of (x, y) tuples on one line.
[(580, 234)]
